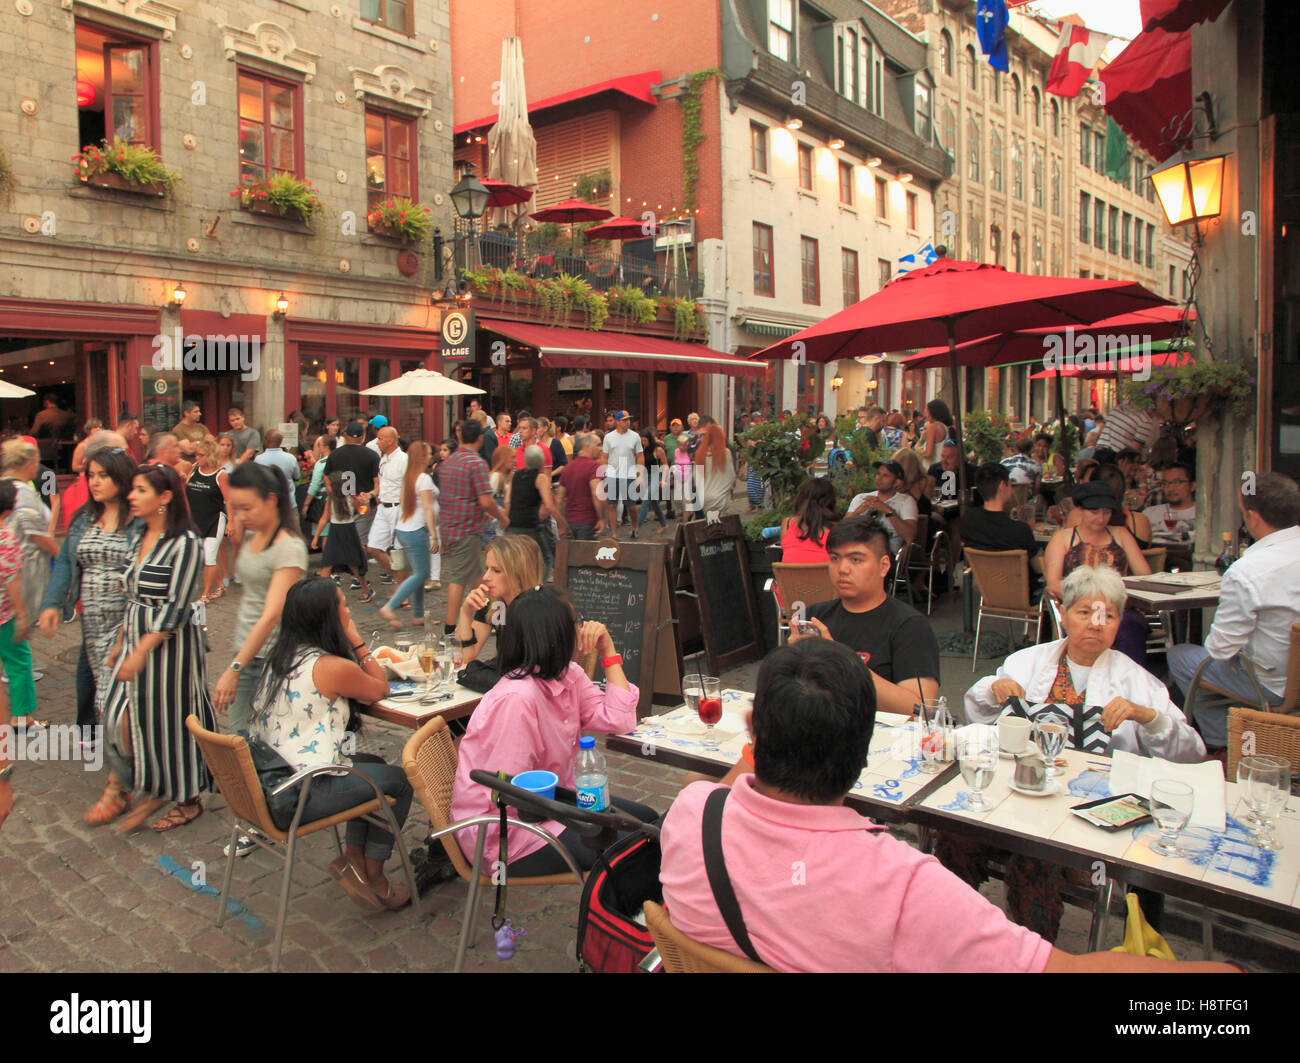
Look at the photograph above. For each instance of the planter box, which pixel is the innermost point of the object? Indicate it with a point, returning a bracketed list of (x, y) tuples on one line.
[(120, 184), (389, 233), (258, 206)]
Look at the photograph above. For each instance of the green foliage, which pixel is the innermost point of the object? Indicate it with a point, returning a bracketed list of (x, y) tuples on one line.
[(135, 163), (629, 301), (502, 283), (7, 182), (593, 187), (782, 453), (402, 219), (771, 519), (692, 133), (1224, 384), (986, 434), (688, 318), (283, 192), (543, 238), (1066, 442)]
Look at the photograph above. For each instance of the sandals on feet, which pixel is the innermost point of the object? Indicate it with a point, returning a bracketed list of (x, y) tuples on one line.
[(179, 815), (390, 616), (358, 888), (107, 808)]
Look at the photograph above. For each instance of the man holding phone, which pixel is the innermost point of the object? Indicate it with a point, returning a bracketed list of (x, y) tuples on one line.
[(894, 641)]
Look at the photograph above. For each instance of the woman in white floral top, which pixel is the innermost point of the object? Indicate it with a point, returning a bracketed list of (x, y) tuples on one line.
[(318, 664)]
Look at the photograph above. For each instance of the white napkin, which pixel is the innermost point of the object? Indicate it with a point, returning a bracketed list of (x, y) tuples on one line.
[(1130, 773)]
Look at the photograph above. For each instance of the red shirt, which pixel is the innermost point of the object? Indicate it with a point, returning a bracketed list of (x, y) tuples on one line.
[(576, 479), (519, 454)]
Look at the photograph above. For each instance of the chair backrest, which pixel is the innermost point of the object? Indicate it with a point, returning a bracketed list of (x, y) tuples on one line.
[(1274, 735), (1291, 692), (683, 955), (231, 764), (1002, 577), (429, 759), (1155, 556), (807, 583), (922, 530)]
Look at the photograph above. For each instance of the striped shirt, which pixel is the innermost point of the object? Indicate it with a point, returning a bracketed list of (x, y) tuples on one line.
[(1128, 427)]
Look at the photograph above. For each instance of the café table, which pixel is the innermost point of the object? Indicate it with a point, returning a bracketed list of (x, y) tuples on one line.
[(1044, 530), (888, 784), (1222, 870), (412, 713), (1170, 592)]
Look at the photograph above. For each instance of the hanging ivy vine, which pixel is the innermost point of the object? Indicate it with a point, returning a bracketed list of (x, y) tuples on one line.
[(692, 133), (7, 181)]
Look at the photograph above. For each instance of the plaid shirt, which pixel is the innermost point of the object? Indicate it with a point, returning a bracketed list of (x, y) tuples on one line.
[(461, 479)]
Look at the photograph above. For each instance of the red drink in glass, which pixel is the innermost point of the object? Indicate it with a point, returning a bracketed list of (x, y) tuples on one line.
[(710, 710)]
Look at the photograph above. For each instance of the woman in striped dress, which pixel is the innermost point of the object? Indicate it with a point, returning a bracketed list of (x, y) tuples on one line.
[(161, 675)]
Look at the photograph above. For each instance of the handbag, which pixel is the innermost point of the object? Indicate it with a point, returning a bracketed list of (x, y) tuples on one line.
[(397, 559), (479, 676), (272, 771)]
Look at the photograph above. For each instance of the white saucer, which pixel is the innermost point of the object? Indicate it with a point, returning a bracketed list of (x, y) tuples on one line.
[(1029, 748), (1053, 787)]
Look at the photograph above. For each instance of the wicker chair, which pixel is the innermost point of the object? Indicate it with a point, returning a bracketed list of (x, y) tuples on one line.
[(429, 759), (795, 583), (1155, 556), (1197, 686), (231, 764), (1275, 735), (1003, 580), (683, 955)]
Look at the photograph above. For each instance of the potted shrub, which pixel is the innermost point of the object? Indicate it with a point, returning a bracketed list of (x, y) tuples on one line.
[(686, 316), (283, 196), (126, 167), (400, 219), (782, 454), (1187, 393), (985, 434), (630, 302)]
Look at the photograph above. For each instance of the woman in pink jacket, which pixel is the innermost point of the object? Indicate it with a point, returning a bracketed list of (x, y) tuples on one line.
[(533, 718)]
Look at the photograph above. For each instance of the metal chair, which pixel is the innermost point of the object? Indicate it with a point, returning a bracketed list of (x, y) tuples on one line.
[(795, 584), (231, 764), (684, 955), (1160, 631), (1003, 580), (429, 759), (1290, 694)]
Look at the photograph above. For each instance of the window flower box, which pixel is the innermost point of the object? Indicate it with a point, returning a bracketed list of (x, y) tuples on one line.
[(124, 167), (281, 196)]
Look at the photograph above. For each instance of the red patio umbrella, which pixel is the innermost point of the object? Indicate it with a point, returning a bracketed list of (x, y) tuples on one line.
[(1125, 364), (617, 229), (1174, 16), (572, 211), (956, 301), (1148, 86), (504, 194)]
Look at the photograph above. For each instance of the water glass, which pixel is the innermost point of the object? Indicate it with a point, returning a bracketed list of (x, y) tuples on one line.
[(1251, 819), (1050, 732), (1171, 807), (977, 754), (935, 725), (1268, 786)]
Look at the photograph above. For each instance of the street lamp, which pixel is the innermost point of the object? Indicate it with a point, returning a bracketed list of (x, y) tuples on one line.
[(1190, 186), (468, 195), (837, 382)]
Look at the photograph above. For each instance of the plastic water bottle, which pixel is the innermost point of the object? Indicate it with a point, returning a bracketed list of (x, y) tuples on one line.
[(591, 778), (773, 532)]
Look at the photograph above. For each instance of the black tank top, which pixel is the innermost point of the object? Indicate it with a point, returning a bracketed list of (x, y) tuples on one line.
[(525, 499), (206, 504)]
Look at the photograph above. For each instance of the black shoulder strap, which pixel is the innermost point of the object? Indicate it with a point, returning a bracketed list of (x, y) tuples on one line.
[(716, 868)]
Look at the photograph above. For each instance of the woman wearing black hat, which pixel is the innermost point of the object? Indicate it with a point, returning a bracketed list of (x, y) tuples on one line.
[(1095, 542)]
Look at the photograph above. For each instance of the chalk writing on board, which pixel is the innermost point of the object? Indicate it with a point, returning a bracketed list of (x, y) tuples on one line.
[(617, 598)]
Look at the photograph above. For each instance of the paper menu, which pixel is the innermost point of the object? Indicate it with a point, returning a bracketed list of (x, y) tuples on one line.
[(1130, 773)]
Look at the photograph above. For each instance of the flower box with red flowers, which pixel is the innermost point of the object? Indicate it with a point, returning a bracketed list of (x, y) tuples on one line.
[(400, 219), (280, 196), (124, 167)]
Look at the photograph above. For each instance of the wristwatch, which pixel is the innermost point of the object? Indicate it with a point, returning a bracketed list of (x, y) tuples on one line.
[(6, 773), (235, 666)]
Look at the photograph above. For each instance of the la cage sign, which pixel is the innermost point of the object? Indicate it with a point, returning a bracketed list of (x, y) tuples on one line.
[(458, 336)]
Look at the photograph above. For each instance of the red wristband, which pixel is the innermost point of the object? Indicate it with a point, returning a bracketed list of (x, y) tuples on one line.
[(612, 659)]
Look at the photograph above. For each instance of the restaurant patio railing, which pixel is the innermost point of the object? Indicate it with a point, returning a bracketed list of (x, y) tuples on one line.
[(602, 267)]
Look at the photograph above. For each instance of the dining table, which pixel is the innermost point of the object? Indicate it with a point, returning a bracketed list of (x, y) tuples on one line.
[(1170, 592), (453, 703)]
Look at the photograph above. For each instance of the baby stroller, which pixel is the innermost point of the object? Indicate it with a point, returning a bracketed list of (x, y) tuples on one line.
[(611, 936)]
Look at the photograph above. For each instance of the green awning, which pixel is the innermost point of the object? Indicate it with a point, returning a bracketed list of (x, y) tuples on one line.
[(780, 332)]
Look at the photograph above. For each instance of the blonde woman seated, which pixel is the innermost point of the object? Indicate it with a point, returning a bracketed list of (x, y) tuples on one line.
[(1099, 685), (512, 564)]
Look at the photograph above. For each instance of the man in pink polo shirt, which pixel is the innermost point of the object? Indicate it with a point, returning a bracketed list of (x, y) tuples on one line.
[(818, 887)]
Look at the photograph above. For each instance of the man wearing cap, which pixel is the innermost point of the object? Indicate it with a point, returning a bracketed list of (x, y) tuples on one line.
[(387, 501), (621, 453), (360, 468), (895, 509), (377, 422)]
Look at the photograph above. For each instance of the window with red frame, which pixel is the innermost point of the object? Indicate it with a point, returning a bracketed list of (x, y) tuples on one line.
[(270, 113), (846, 183), (116, 87), (390, 158)]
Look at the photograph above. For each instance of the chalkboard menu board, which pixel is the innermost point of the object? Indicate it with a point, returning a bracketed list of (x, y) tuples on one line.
[(617, 598), (625, 587), (719, 565)]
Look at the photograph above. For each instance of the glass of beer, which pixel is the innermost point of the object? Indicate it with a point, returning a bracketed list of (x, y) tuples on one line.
[(428, 665)]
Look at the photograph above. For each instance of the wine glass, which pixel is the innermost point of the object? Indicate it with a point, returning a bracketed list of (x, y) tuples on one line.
[(428, 665), (1251, 819), (1050, 732), (1268, 786), (935, 725), (1171, 808), (977, 754)]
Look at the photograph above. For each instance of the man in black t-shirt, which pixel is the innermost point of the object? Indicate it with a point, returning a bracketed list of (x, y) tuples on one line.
[(991, 528), (363, 463), (947, 484), (893, 639)]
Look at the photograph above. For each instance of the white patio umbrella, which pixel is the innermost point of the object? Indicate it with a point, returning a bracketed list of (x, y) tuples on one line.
[(13, 391), (422, 382), (512, 148)]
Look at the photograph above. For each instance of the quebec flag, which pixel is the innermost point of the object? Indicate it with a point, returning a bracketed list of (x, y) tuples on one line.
[(991, 26), (924, 257)]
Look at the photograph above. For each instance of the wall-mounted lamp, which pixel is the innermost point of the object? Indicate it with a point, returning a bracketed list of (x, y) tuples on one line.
[(874, 161), (870, 359), (836, 144), (178, 296), (837, 382), (1190, 186), (281, 306), (905, 178), (794, 123)]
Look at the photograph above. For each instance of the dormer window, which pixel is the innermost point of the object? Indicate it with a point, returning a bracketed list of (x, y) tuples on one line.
[(780, 29)]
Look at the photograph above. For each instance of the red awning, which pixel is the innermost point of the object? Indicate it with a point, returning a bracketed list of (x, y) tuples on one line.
[(572, 348), (636, 86), (1177, 15), (1149, 85)]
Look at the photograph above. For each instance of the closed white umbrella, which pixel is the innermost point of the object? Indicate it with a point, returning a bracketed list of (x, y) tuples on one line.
[(13, 391), (422, 382), (512, 148)]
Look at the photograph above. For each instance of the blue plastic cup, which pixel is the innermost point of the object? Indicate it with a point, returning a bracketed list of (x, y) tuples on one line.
[(541, 783)]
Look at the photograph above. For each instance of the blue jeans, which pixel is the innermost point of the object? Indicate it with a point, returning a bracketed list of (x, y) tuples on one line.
[(334, 793), (240, 715), (1211, 711), (416, 545)]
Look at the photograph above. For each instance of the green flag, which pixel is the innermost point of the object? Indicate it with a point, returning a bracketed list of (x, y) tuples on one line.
[(1117, 167)]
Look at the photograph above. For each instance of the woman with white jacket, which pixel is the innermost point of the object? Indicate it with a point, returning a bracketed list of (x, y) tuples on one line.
[(1118, 704), (1112, 702)]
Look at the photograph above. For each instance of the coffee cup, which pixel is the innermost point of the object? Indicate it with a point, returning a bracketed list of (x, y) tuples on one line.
[(1013, 734)]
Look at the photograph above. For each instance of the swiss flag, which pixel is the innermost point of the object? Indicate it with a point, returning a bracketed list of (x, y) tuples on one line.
[(1077, 53)]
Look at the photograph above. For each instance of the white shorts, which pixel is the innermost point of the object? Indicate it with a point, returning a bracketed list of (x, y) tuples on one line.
[(212, 546), (383, 530)]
